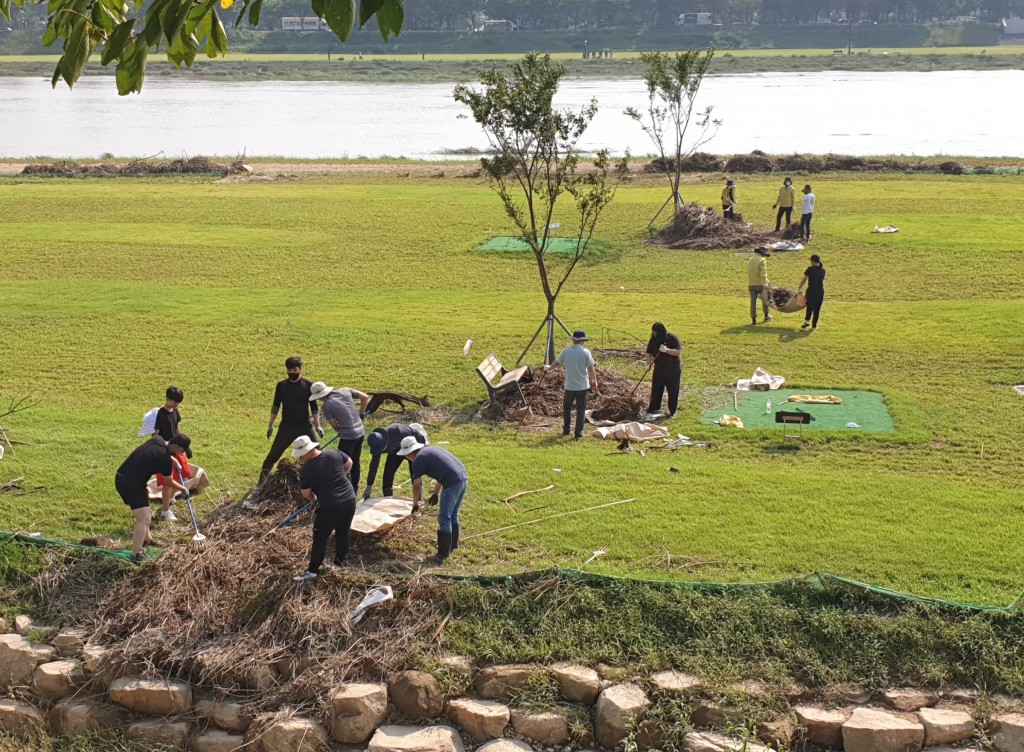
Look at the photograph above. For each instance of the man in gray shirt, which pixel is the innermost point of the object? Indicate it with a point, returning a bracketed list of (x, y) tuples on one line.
[(580, 379), (339, 409)]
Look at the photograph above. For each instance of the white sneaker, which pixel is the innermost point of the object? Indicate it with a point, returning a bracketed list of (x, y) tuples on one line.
[(168, 515), (814, 329), (307, 575)]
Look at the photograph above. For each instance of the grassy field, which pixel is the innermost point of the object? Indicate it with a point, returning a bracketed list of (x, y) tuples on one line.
[(111, 290)]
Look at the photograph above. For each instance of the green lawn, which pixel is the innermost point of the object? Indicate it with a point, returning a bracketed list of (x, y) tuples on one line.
[(111, 290)]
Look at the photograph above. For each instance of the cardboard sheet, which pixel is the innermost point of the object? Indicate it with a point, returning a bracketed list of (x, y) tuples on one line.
[(377, 515)]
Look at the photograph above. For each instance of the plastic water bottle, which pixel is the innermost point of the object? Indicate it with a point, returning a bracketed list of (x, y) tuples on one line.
[(768, 408)]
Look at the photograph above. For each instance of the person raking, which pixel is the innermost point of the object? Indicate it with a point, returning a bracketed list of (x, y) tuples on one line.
[(663, 352), (339, 409), (387, 441), (450, 482)]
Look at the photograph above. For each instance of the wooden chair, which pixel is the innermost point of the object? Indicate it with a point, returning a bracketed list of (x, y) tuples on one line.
[(508, 381)]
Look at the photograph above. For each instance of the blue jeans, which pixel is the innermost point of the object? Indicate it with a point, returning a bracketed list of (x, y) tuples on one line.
[(451, 502)]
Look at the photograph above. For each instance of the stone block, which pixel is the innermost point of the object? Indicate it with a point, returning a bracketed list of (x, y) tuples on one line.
[(502, 682), (225, 714), (461, 667), (481, 719), (21, 720), (86, 717), (416, 694), (152, 696), (356, 711), (777, 733), (708, 713), (675, 683), (548, 728), (577, 683), (870, 730), (216, 740), (1007, 732), (908, 700), (416, 739), (292, 735), (618, 708), (19, 658), (161, 733), (69, 642), (945, 726), (505, 745), (853, 693), (57, 679), (822, 727), (710, 741)]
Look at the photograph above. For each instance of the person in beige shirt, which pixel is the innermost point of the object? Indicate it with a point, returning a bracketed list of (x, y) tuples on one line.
[(784, 203), (758, 284)]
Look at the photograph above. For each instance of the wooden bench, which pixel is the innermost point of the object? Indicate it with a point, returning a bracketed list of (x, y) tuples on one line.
[(508, 381)]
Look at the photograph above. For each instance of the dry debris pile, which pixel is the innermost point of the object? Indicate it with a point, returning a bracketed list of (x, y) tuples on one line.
[(695, 227), (191, 166), (613, 400)]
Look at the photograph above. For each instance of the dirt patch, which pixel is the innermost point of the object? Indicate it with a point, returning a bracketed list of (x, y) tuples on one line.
[(695, 227)]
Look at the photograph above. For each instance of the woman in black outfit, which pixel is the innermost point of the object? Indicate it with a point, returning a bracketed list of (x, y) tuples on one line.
[(814, 278)]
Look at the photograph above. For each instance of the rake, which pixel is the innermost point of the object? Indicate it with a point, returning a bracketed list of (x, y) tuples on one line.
[(198, 537)]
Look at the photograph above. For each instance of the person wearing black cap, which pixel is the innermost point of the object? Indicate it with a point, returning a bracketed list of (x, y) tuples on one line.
[(293, 394), (729, 200), (149, 458), (388, 441), (663, 351), (580, 379)]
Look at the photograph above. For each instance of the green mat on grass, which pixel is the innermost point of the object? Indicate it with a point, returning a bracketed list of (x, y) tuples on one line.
[(867, 409), (516, 245)]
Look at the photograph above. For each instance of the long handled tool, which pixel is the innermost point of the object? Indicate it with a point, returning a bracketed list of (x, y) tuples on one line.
[(642, 378), (529, 405), (291, 517), (191, 510)]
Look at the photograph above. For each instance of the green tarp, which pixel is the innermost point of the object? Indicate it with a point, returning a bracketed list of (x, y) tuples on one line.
[(866, 409), (517, 245)]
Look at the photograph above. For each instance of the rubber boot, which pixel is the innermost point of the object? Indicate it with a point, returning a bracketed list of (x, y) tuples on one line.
[(455, 536), (444, 548)]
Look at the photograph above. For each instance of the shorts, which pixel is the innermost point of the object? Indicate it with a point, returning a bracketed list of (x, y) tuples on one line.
[(136, 497)]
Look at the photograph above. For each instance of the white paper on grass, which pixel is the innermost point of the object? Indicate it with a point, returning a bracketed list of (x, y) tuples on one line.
[(372, 598)]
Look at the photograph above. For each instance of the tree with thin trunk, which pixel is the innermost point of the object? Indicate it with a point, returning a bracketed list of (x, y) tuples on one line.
[(536, 163), (673, 82)]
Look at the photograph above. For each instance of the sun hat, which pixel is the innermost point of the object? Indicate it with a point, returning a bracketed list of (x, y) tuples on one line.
[(319, 391), (409, 445), (579, 336), (763, 250), (417, 428), (303, 446)]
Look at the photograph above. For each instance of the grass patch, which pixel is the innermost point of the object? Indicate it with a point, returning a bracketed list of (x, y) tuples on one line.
[(111, 290)]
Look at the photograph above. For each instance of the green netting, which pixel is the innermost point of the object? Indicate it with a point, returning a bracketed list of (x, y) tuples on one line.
[(518, 245), (866, 409), (35, 540)]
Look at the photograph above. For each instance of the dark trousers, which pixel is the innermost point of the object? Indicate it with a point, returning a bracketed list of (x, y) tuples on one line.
[(579, 399), (391, 465), (285, 436), (784, 211), (353, 448), (805, 226), (336, 519), (661, 383), (814, 301), (728, 213)]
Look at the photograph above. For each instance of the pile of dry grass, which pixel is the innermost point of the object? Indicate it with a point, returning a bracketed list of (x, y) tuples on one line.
[(229, 614), (613, 400), (698, 162), (695, 227), (191, 166), (756, 161)]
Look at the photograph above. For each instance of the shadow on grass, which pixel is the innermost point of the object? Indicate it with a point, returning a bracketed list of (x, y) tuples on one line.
[(784, 335)]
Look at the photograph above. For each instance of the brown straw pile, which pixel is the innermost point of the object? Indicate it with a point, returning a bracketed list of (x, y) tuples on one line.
[(191, 166), (695, 227)]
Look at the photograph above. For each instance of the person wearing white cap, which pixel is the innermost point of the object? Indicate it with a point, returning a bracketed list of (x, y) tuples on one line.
[(324, 480), (339, 409), (580, 379), (451, 482), (388, 441)]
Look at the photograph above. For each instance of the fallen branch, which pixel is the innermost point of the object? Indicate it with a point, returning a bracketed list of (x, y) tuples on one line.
[(545, 519), (515, 496), (377, 400)]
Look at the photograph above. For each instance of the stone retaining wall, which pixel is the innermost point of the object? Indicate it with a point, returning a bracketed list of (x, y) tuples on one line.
[(63, 687)]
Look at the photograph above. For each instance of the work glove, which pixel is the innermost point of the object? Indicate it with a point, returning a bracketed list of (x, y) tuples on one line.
[(433, 499), (366, 493), (363, 416), (270, 431), (547, 367), (663, 348), (320, 432)]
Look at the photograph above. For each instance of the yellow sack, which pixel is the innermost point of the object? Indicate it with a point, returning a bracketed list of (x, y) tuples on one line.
[(730, 421), (816, 399)]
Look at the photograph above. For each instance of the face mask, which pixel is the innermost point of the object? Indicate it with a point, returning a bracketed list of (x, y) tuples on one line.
[(294, 376)]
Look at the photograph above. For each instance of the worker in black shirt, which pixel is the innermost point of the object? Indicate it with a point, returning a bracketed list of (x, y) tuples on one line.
[(814, 278), (388, 441), (293, 394), (168, 420), (149, 458), (663, 351), (325, 481)]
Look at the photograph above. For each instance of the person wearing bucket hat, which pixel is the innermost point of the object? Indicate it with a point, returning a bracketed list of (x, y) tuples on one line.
[(758, 284), (784, 203), (388, 441), (729, 200), (450, 481), (292, 394), (339, 408), (580, 379), (324, 480)]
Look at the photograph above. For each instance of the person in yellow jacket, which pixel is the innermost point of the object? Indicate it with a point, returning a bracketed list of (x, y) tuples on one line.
[(784, 203), (729, 199), (758, 284)]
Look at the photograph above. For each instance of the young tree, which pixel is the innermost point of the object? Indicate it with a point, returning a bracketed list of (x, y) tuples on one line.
[(536, 164), (128, 31), (673, 82)]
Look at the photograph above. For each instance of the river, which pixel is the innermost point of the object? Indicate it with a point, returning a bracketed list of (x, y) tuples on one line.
[(961, 112)]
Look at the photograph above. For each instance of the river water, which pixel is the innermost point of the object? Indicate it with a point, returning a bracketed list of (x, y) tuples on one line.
[(962, 112)]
